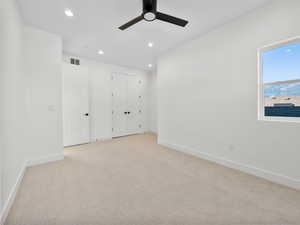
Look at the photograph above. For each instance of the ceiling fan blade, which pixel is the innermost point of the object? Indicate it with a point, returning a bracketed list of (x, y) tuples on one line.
[(130, 23), (171, 19)]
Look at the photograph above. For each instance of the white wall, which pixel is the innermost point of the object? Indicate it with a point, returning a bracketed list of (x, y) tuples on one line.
[(30, 99), (43, 58), (100, 95), (208, 95), (12, 89)]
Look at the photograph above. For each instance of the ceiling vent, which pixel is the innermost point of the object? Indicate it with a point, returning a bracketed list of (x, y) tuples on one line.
[(75, 61)]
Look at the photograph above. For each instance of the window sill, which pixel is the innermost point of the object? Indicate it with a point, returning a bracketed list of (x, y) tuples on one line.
[(280, 119)]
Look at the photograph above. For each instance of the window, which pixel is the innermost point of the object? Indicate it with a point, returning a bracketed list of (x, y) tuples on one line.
[(279, 81)]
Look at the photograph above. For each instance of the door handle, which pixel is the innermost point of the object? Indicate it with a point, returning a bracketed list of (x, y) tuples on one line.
[(86, 114), (128, 112), (125, 112)]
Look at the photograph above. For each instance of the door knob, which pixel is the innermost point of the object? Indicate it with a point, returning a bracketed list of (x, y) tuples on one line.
[(125, 112), (128, 112), (86, 114)]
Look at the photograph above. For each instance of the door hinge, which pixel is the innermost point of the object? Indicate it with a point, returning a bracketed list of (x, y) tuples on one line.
[(112, 129), (112, 94), (112, 112)]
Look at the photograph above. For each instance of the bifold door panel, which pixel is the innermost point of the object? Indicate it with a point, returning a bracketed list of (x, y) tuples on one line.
[(75, 105), (126, 105), (119, 105)]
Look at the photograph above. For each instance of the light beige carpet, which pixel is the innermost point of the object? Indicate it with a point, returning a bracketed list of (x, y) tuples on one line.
[(134, 181)]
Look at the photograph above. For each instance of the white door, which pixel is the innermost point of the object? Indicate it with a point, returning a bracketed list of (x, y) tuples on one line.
[(126, 105), (75, 105), (134, 109), (119, 105)]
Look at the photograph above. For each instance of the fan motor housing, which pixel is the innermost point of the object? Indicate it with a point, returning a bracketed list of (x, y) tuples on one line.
[(149, 16), (150, 6), (149, 10)]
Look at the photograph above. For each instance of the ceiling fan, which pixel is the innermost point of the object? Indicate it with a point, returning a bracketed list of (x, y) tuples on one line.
[(150, 13)]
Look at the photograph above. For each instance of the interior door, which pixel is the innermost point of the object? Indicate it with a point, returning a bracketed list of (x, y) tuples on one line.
[(119, 105), (127, 111), (134, 110), (75, 105)]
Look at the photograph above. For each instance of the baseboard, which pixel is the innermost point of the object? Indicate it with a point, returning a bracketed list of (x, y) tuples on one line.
[(106, 139), (101, 139), (43, 160), (273, 177), (8, 204), (151, 133)]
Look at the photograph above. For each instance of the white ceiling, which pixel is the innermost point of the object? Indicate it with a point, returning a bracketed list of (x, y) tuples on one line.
[(95, 25)]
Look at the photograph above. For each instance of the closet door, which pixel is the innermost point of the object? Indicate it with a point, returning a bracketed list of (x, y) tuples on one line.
[(134, 109), (126, 105), (76, 122), (119, 105)]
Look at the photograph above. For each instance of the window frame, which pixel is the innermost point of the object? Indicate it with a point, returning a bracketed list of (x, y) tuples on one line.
[(261, 105)]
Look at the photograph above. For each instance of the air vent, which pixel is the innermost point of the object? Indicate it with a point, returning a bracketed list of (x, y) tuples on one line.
[(75, 61)]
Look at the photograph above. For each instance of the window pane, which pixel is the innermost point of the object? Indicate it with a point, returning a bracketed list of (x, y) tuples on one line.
[(281, 64), (281, 78)]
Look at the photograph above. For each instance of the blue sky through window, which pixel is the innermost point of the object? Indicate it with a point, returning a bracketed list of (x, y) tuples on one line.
[(281, 64)]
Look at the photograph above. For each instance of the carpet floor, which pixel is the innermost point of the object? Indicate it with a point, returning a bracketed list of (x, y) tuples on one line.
[(134, 181)]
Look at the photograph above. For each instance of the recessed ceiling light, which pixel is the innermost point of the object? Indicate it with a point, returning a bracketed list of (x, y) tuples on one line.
[(100, 52), (150, 44), (150, 65), (69, 13)]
